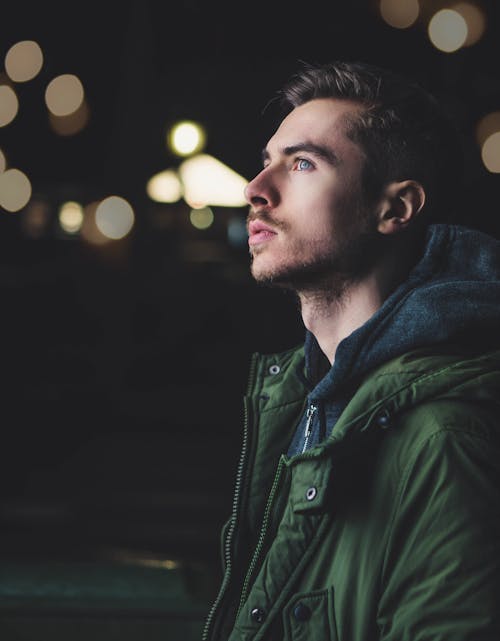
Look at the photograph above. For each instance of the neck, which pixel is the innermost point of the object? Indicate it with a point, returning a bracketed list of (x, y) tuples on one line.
[(332, 314)]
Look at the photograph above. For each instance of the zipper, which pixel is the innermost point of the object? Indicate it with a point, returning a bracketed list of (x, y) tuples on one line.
[(236, 500), (311, 411), (262, 534)]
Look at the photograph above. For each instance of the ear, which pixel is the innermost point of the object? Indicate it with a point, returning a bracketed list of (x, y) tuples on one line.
[(399, 206)]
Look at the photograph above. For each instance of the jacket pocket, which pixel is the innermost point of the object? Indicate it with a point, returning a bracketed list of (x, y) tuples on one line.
[(310, 616)]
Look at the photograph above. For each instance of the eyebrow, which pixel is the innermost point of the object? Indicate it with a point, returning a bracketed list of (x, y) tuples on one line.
[(318, 150)]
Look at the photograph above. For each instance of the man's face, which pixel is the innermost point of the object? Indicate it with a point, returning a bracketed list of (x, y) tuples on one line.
[(308, 223)]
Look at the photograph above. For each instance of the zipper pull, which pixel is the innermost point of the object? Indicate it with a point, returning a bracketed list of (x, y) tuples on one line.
[(311, 411)]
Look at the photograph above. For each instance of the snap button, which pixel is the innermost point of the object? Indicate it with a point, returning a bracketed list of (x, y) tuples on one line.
[(274, 369), (301, 612), (383, 419), (257, 615), (311, 493)]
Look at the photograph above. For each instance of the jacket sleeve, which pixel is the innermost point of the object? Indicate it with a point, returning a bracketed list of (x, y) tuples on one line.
[(441, 575)]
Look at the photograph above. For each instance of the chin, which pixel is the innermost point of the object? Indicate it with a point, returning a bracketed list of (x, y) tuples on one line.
[(275, 275)]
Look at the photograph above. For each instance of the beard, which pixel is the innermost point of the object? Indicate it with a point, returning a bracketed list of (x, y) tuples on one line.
[(327, 272)]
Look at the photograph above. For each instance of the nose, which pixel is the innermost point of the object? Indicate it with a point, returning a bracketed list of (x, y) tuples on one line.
[(261, 191)]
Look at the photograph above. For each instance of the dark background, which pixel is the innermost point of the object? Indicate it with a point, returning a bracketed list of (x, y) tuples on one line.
[(124, 365)]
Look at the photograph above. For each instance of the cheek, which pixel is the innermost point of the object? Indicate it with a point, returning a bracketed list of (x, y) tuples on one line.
[(321, 213), (323, 203)]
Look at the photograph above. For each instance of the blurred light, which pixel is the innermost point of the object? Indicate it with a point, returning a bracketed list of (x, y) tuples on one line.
[(3, 162), (15, 190), (72, 124), (490, 153), (165, 187), (89, 231), (207, 181), (447, 30), (130, 557), (36, 218), (9, 105), (166, 564), (64, 95), (114, 217), (237, 234), (186, 138), (71, 217), (399, 13), (488, 125), (475, 20), (23, 61), (201, 218), (145, 562)]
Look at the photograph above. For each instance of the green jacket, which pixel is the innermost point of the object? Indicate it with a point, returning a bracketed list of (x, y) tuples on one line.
[(389, 530)]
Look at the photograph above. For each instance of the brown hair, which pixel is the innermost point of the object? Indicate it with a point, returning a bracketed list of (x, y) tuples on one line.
[(403, 130)]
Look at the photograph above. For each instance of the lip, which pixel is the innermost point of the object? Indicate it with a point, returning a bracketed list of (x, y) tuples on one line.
[(259, 232)]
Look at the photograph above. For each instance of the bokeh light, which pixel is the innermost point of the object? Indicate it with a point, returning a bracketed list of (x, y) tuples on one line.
[(186, 138), (208, 181), (9, 105), (36, 218), (488, 139), (71, 217), (23, 61), (64, 95), (201, 218), (475, 20), (400, 14), (114, 217), (488, 125), (237, 234), (72, 124), (165, 187), (490, 153), (89, 232), (15, 190), (448, 30)]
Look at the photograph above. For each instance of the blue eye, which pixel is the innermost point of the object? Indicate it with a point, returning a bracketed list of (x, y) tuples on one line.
[(303, 164)]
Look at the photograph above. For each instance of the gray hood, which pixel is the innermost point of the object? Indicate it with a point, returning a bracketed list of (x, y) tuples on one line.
[(451, 296)]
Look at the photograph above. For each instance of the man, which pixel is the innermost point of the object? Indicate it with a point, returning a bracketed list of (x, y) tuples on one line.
[(367, 502)]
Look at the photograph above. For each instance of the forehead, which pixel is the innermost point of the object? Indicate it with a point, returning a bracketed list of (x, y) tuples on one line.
[(322, 120)]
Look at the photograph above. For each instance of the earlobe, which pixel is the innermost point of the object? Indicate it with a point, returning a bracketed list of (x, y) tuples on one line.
[(400, 205)]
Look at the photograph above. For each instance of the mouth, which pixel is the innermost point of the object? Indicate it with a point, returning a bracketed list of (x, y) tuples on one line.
[(259, 232)]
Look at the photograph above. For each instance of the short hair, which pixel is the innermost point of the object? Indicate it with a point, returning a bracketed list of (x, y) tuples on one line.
[(403, 130)]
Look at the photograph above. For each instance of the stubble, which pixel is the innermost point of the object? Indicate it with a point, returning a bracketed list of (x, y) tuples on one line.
[(328, 273)]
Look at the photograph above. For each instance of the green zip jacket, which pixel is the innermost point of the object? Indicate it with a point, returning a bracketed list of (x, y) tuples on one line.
[(389, 530)]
